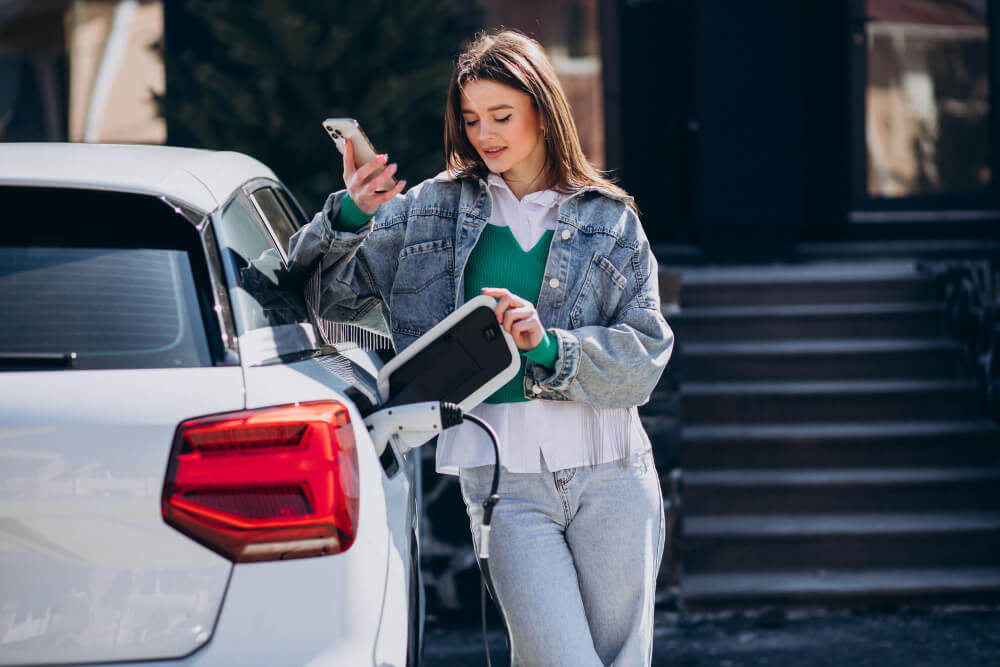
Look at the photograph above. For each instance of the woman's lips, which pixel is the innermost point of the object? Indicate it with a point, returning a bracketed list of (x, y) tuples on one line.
[(493, 153)]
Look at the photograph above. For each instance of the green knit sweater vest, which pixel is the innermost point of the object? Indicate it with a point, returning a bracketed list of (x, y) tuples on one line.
[(498, 261)]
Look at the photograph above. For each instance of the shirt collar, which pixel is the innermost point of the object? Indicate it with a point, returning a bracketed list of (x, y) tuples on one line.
[(547, 198)]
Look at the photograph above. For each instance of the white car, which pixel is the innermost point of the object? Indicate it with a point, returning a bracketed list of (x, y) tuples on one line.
[(185, 475)]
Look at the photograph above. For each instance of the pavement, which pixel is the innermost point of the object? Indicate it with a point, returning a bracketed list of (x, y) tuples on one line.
[(959, 635)]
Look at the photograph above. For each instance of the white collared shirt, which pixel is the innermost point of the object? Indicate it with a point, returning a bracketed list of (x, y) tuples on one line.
[(529, 217), (566, 434)]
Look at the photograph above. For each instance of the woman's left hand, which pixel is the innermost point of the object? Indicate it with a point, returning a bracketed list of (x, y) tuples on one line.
[(518, 317)]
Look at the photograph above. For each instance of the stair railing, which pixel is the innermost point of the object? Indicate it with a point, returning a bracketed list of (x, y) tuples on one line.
[(971, 293)]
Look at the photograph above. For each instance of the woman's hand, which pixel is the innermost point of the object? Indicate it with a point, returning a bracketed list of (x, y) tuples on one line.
[(518, 317), (362, 181)]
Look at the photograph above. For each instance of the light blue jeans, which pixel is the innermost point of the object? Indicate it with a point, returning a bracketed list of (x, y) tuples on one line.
[(573, 558)]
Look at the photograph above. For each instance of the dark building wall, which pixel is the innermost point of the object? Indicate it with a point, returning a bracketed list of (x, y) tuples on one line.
[(749, 112), (711, 100), (826, 117), (649, 107)]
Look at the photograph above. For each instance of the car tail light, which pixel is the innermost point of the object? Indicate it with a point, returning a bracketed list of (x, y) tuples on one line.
[(266, 484)]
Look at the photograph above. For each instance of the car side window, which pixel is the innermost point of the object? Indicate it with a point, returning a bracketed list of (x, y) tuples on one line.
[(278, 213), (295, 213), (259, 288), (284, 217)]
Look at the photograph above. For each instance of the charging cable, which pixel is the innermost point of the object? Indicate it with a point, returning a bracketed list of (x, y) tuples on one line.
[(412, 426), (483, 555), (491, 500)]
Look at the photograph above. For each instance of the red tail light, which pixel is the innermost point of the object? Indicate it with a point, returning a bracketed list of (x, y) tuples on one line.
[(266, 484)]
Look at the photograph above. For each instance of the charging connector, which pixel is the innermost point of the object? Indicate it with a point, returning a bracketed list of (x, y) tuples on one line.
[(414, 424), (418, 423)]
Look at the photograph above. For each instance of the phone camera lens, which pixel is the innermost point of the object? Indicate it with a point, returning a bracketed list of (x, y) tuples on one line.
[(489, 333)]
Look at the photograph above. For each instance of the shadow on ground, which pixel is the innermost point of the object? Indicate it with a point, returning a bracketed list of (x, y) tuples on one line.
[(911, 637)]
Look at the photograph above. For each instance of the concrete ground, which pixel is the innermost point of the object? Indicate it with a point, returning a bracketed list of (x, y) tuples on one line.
[(959, 635)]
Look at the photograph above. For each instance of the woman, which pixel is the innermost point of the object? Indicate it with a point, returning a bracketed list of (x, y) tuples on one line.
[(521, 216)]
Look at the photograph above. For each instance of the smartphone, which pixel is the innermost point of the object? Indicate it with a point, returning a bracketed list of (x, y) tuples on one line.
[(342, 129)]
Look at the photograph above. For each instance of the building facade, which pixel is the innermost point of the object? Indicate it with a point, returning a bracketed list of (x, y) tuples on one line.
[(788, 120)]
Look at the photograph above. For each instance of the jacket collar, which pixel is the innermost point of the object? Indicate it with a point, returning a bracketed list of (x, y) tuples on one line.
[(625, 199), (448, 176), (475, 199)]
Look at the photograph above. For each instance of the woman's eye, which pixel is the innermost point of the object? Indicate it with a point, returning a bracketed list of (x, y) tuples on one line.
[(505, 118), (470, 123)]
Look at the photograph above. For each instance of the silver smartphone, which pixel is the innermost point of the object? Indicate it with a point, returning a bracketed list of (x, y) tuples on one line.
[(342, 129)]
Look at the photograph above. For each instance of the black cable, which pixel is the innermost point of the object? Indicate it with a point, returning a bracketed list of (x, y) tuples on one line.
[(451, 415), (482, 615), (491, 500)]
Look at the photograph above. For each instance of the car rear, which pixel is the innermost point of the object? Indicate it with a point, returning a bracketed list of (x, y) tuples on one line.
[(140, 460), (104, 351)]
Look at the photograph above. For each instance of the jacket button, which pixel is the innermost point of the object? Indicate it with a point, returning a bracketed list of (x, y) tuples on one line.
[(566, 234), (535, 389), (554, 283)]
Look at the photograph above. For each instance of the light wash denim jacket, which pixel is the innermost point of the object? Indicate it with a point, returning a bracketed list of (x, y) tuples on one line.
[(403, 272)]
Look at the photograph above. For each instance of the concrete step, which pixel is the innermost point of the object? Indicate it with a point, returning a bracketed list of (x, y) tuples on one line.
[(840, 491), (805, 284), (834, 445), (808, 253), (906, 319), (815, 586), (828, 359), (840, 541), (830, 401)]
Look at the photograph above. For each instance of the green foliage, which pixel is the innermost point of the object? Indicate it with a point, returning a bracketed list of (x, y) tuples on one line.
[(259, 77)]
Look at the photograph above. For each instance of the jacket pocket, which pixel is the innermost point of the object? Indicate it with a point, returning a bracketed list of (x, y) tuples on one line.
[(424, 289), (599, 296)]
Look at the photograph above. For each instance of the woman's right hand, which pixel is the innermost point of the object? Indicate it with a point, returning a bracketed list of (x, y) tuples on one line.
[(362, 181)]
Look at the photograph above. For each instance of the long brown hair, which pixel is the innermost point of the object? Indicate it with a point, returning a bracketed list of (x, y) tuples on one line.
[(516, 60)]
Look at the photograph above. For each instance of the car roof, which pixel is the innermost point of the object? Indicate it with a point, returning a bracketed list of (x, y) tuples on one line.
[(199, 178)]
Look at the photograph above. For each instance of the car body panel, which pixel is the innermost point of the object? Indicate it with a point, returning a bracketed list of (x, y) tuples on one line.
[(380, 554), (199, 178), (88, 569)]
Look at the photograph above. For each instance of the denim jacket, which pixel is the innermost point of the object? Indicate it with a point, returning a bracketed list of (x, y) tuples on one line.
[(403, 272)]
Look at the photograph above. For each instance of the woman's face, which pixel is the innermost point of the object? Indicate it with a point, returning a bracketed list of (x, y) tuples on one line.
[(503, 125)]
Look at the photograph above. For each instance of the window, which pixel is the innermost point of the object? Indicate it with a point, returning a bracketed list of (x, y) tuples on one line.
[(78, 275), (927, 102), (278, 214), (261, 291), (112, 307)]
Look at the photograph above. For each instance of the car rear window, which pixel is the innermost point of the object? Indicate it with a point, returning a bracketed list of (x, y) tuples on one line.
[(115, 280), (113, 308)]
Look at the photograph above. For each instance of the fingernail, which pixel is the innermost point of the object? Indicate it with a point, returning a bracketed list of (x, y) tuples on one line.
[(383, 157)]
